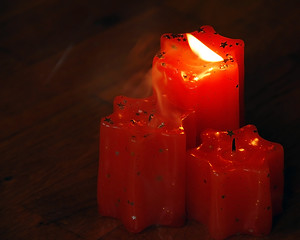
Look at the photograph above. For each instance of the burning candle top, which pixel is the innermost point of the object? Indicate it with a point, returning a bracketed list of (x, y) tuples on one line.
[(201, 72), (194, 62)]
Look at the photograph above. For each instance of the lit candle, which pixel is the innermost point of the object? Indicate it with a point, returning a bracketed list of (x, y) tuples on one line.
[(201, 72), (141, 178), (235, 182)]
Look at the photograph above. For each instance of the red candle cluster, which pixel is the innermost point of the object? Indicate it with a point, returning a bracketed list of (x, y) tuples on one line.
[(159, 162)]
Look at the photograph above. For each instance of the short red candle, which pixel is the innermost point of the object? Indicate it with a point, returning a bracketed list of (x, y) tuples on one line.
[(141, 178), (210, 86), (235, 182)]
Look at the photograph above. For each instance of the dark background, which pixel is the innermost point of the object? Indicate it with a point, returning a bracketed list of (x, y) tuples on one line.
[(62, 63)]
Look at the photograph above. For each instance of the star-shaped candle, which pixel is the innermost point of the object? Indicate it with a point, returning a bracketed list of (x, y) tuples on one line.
[(235, 182), (141, 178)]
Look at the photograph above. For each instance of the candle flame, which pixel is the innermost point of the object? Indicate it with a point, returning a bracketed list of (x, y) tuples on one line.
[(202, 51)]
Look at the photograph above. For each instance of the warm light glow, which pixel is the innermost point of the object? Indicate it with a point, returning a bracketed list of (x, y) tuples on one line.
[(254, 142), (241, 149), (202, 51), (195, 77)]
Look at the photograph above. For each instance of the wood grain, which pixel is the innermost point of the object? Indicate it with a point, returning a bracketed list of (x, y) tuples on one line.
[(63, 62)]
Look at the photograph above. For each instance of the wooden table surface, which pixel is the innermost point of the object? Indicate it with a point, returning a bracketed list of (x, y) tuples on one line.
[(63, 62)]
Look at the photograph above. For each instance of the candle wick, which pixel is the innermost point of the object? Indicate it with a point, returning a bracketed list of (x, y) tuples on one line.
[(233, 145)]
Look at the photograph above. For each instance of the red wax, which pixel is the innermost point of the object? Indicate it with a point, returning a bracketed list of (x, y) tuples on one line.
[(184, 82), (235, 182), (141, 178)]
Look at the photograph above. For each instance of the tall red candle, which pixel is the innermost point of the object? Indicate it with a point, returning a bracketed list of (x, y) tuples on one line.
[(201, 72), (141, 178), (235, 182)]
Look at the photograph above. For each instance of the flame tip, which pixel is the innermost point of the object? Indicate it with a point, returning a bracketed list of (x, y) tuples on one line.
[(201, 50)]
